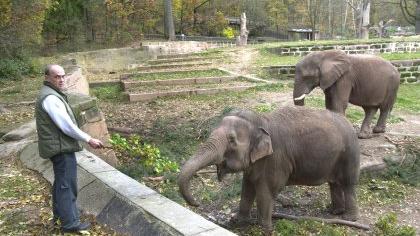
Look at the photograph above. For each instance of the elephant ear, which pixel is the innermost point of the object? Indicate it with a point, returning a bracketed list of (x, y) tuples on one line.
[(333, 68), (262, 146)]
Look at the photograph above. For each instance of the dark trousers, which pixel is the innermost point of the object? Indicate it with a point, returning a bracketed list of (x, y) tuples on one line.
[(64, 190)]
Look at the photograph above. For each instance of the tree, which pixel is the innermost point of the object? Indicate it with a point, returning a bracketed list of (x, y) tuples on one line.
[(313, 8), (169, 21), (362, 17), (21, 24), (412, 16)]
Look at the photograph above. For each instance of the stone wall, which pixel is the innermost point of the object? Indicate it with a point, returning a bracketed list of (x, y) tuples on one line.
[(369, 48), (409, 71)]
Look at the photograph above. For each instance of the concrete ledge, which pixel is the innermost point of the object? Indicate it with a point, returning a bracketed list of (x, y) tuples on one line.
[(123, 203)]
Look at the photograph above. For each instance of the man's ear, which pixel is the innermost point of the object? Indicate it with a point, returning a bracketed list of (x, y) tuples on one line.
[(262, 146)]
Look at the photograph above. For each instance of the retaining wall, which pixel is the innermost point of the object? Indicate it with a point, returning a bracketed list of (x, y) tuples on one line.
[(368, 48), (409, 71)]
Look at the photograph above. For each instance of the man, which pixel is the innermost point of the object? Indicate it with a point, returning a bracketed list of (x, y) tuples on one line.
[(58, 136)]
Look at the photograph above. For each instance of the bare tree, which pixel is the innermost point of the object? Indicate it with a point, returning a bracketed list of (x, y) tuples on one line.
[(362, 12), (169, 21), (411, 17)]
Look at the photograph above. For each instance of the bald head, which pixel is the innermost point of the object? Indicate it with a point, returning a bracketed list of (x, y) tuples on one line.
[(55, 75)]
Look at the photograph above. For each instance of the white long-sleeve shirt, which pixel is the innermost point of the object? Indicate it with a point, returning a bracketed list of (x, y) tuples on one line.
[(58, 113)]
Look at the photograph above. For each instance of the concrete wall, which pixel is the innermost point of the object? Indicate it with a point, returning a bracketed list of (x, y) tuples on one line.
[(409, 71), (118, 59), (371, 48)]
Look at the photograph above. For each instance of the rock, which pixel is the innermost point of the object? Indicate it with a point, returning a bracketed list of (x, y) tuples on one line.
[(20, 133), (92, 121), (76, 82)]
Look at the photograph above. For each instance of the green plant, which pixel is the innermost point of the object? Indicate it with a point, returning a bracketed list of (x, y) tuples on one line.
[(387, 226), (16, 68), (408, 169), (134, 148), (229, 32)]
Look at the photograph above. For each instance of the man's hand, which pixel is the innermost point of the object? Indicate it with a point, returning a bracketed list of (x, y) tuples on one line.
[(95, 143)]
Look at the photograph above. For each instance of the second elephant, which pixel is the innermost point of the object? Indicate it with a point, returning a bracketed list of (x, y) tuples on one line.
[(363, 80)]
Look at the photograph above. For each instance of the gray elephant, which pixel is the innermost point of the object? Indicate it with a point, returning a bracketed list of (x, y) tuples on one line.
[(363, 80), (290, 146)]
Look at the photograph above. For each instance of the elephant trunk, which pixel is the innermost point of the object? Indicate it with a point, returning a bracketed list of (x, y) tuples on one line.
[(209, 153)]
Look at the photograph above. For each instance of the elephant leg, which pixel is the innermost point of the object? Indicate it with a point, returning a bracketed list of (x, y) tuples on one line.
[(365, 129), (337, 199), (245, 205), (352, 211), (265, 202), (381, 124)]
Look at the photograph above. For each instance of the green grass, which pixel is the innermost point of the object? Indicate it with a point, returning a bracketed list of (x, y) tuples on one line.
[(25, 89), (400, 56), (408, 98), (109, 93), (267, 58), (335, 42), (180, 74)]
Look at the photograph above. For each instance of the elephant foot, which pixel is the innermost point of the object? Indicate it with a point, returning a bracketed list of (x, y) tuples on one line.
[(238, 220), (379, 129), (269, 233), (351, 215), (365, 135), (336, 211)]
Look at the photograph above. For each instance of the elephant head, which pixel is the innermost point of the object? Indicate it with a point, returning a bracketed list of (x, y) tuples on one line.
[(321, 69), (238, 141)]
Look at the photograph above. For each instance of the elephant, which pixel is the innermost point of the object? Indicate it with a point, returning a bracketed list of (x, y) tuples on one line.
[(290, 146), (363, 80)]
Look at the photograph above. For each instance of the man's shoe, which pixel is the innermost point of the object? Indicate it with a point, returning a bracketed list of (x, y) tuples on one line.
[(80, 227)]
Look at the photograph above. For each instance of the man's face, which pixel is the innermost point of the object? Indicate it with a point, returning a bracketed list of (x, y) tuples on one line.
[(57, 77)]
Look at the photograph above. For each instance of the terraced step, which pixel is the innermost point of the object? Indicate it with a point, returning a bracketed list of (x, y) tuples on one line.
[(187, 81), (149, 91), (184, 55), (169, 66), (174, 74), (102, 83), (182, 59), (134, 97)]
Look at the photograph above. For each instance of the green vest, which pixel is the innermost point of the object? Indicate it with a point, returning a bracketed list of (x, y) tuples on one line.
[(51, 140)]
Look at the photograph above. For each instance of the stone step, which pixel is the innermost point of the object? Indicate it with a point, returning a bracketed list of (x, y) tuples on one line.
[(183, 55), (163, 71), (169, 66), (172, 60), (187, 81), (102, 83), (148, 88), (134, 97)]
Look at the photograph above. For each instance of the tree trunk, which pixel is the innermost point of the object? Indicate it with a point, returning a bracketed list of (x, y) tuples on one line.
[(418, 17), (365, 19), (169, 21)]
